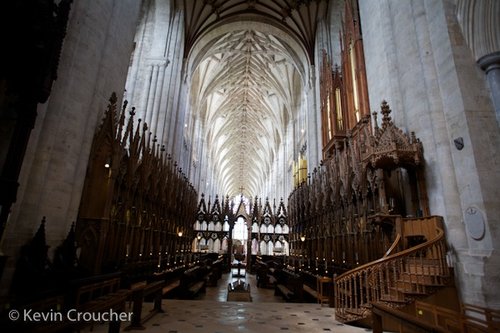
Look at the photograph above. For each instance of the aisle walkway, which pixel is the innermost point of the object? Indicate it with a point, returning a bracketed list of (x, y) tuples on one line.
[(211, 313), (228, 317), (259, 295)]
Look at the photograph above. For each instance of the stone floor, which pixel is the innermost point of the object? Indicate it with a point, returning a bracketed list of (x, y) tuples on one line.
[(227, 317), (211, 313)]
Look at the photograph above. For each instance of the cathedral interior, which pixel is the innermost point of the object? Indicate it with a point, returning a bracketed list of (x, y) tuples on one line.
[(250, 165)]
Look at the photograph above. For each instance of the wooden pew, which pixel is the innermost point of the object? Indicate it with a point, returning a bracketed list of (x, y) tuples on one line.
[(139, 293), (317, 287), (154, 289), (170, 287), (310, 285), (171, 279), (101, 296), (265, 274), (215, 272), (46, 305), (98, 294), (289, 285), (193, 281)]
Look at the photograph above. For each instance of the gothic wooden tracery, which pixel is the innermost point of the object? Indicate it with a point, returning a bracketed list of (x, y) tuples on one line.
[(268, 229), (136, 202), (344, 215)]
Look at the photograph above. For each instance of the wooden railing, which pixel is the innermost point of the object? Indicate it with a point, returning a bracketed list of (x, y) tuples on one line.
[(393, 246), (414, 271)]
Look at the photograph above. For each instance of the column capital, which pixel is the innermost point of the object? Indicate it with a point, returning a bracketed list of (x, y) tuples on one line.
[(490, 61)]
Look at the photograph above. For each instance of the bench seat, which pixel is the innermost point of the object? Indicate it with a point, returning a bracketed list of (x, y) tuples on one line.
[(284, 291), (196, 288), (171, 287), (310, 291)]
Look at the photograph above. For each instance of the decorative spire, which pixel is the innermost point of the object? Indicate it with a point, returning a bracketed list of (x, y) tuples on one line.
[(130, 127), (386, 111), (121, 121), (38, 240), (375, 120)]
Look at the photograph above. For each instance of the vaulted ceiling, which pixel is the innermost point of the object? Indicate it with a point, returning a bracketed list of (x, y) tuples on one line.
[(298, 17), (247, 84)]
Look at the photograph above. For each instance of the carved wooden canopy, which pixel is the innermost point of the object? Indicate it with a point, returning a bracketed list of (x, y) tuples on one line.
[(390, 147)]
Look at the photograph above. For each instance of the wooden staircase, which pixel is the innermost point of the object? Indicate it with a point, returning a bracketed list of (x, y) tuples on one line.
[(399, 278)]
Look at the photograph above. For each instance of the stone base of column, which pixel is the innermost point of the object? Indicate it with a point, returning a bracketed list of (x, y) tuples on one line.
[(491, 65)]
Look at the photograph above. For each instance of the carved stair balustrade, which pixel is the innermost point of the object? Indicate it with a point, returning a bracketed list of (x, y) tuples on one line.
[(398, 278), (135, 201)]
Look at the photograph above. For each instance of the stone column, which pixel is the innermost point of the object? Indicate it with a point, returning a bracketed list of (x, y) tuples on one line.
[(313, 124), (151, 95), (491, 65), (147, 87), (161, 65)]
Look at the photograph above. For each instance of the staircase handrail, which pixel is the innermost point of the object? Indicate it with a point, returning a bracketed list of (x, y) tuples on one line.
[(393, 246), (417, 248), (356, 289)]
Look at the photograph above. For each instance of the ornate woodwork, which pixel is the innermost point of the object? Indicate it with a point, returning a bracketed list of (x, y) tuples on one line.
[(267, 227), (345, 215), (465, 318), (397, 279), (364, 215), (212, 227), (390, 146), (34, 264), (270, 229), (136, 204)]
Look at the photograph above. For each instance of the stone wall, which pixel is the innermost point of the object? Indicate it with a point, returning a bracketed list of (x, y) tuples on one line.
[(155, 76), (93, 64)]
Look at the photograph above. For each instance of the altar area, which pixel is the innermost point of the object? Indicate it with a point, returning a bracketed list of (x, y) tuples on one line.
[(239, 290)]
